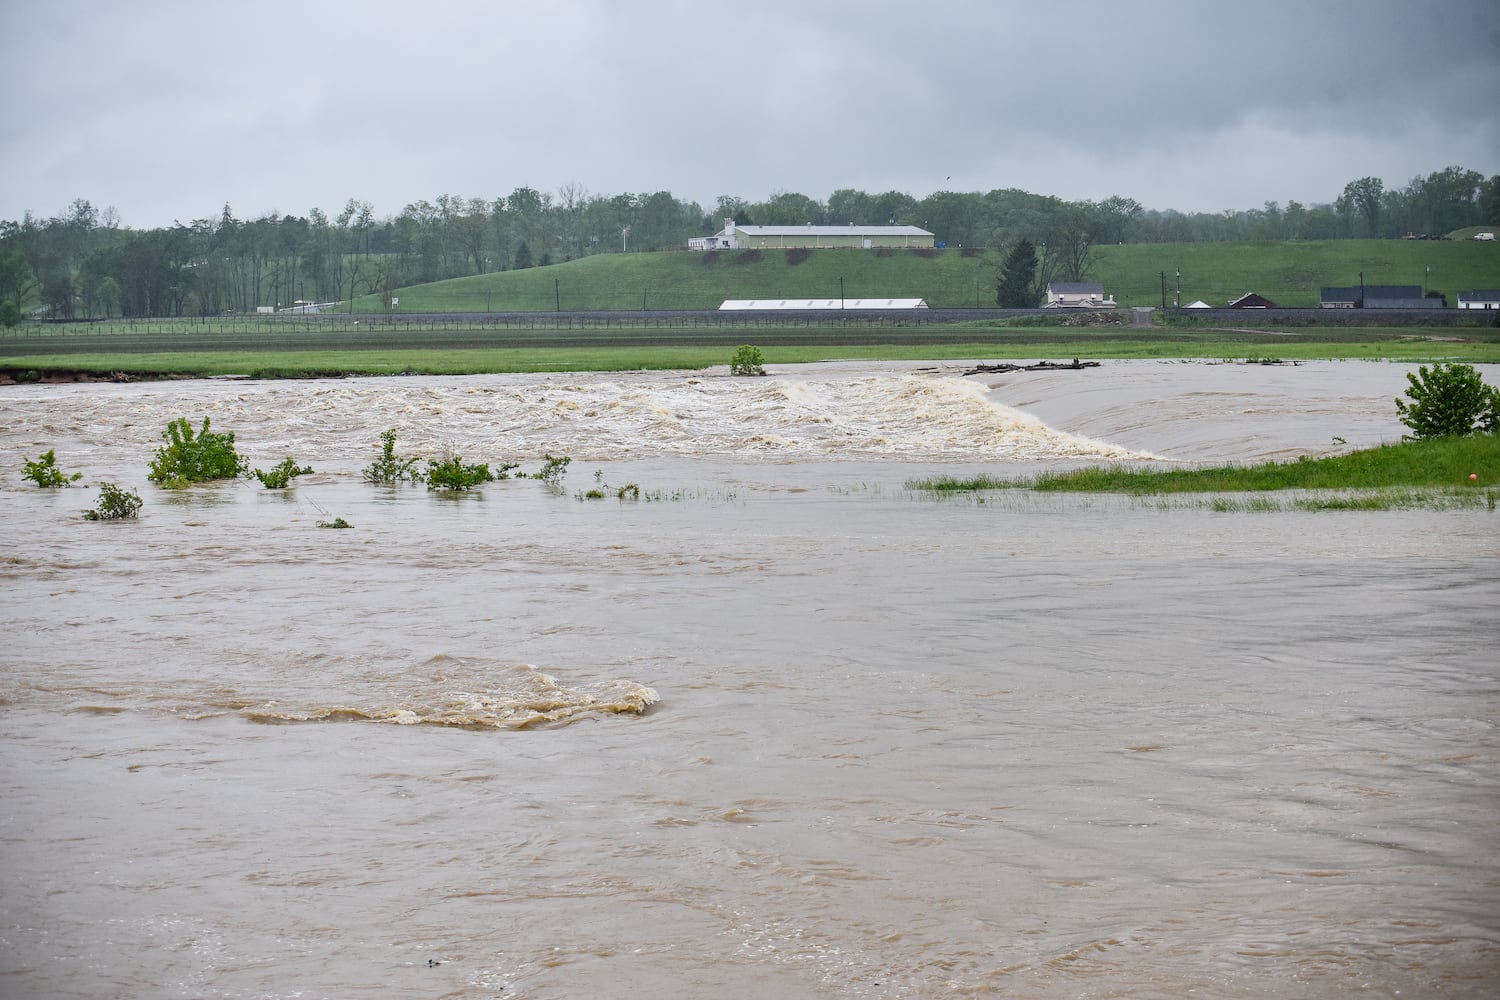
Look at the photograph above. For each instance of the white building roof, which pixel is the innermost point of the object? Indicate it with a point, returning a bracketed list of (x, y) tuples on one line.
[(769, 304), (830, 231)]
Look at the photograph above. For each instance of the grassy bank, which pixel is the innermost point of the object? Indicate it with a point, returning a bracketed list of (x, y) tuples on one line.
[(337, 345), (332, 364), (1444, 464)]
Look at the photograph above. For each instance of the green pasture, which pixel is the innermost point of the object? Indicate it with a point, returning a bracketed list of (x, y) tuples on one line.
[(1292, 273), (680, 280), (965, 344), (1289, 273)]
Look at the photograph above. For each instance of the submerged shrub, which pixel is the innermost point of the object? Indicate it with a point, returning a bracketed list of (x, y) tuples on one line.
[(630, 491), (388, 468), (194, 458), (282, 475), (553, 469), (1448, 400), (44, 471), (453, 474), (114, 504), (747, 361)]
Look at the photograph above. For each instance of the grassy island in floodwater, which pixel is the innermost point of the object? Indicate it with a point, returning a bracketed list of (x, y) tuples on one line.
[(1412, 473)]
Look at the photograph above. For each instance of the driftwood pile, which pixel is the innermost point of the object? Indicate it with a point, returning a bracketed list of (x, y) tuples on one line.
[(1040, 366)]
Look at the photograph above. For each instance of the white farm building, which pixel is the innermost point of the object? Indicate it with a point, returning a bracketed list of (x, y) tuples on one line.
[(733, 237), (773, 305)]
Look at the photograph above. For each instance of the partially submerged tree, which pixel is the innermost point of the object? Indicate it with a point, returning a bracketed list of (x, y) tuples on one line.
[(748, 360), (114, 504), (280, 477), (194, 458), (390, 468), (44, 471), (1449, 400)]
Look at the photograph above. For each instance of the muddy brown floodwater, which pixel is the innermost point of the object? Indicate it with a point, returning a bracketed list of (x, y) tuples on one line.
[(781, 727)]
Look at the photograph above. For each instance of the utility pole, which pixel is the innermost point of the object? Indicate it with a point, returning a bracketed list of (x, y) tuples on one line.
[(557, 294), (1164, 289), (1178, 303), (841, 291)]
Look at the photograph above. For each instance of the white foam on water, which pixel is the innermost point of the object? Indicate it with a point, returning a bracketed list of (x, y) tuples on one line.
[(589, 417)]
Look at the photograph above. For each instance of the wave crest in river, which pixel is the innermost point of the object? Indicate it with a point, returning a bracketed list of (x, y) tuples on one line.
[(514, 697), (589, 417)]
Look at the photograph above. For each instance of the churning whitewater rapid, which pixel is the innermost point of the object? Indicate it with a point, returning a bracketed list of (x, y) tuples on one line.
[(777, 725)]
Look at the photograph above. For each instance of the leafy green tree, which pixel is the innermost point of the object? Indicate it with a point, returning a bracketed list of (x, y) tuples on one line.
[(108, 296), (10, 313), (1115, 215), (788, 208), (523, 256), (57, 293), (732, 207), (954, 219), (1016, 288), (1442, 201), (1488, 208), (1364, 195), (16, 279), (1448, 400), (748, 360)]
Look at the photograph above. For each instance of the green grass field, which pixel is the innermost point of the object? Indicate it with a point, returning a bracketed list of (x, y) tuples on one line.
[(959, 344), (1289, 273)]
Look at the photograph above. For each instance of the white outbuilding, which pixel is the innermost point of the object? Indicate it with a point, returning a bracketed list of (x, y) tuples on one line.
[(771, 305), (733, 237)]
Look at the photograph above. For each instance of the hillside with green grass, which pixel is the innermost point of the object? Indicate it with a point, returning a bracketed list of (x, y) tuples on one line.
[(1289, 273)]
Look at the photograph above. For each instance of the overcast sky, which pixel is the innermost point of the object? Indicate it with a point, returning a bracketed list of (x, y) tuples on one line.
[(167, 109)]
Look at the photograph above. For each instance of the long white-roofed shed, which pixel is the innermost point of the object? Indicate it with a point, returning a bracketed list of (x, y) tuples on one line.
[(733, 237), (771, 305)]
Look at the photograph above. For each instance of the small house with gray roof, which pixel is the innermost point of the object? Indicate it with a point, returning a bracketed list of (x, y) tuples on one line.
[(1077, 295), (1480, 298)]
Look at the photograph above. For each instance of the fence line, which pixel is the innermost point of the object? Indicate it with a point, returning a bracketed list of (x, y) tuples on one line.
[(345, 324)]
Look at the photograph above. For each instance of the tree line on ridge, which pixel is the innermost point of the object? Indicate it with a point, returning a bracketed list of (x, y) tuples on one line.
[(83, 263)]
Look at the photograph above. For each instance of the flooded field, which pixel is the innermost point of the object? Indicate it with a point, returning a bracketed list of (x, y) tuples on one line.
[(781, 727)]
